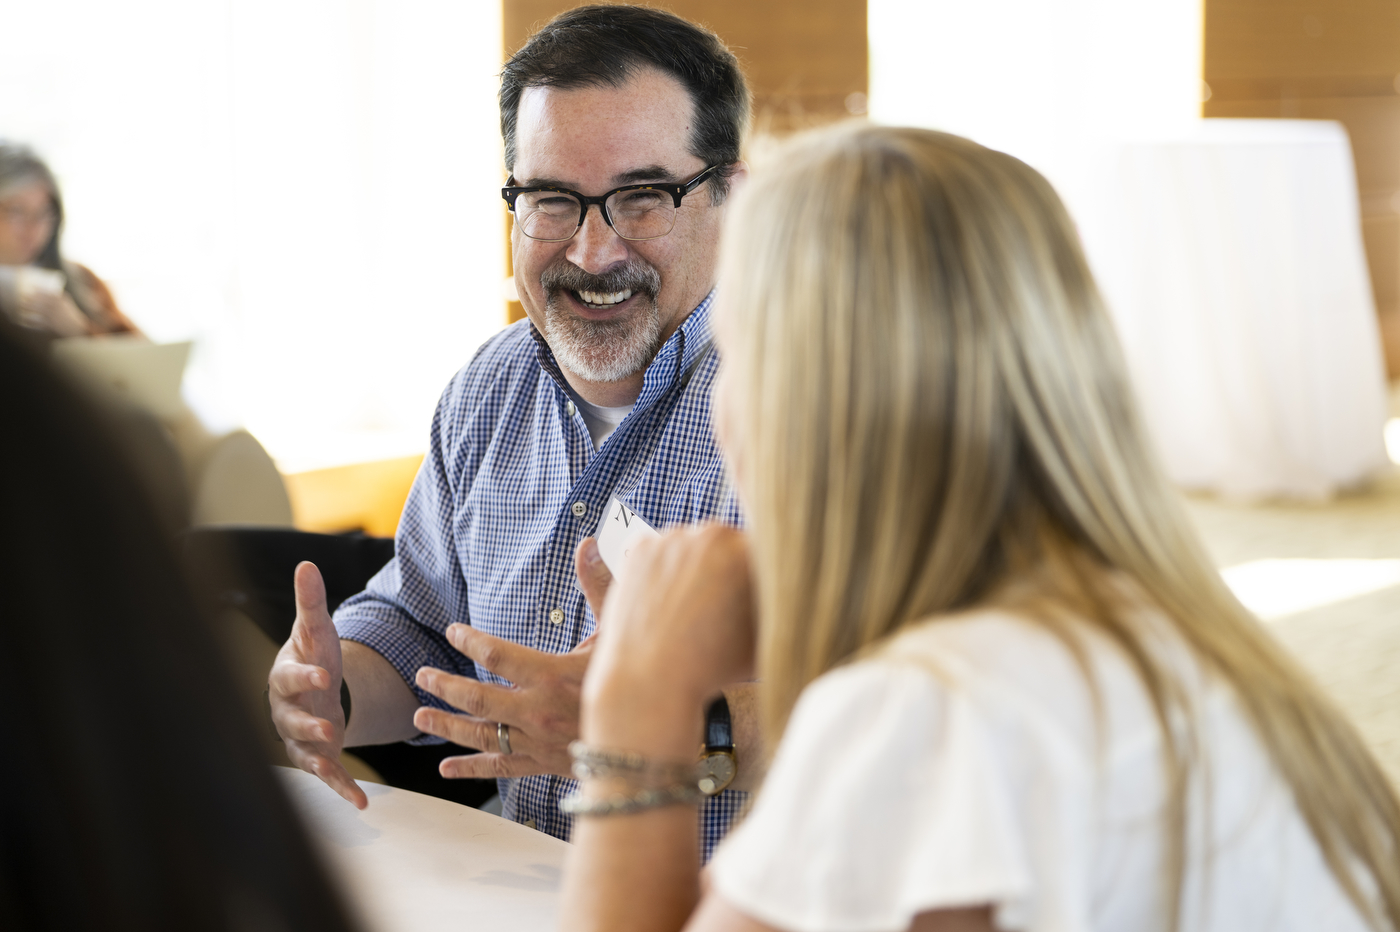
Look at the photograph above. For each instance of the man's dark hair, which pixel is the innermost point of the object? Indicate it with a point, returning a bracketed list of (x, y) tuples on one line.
[(606, 45)]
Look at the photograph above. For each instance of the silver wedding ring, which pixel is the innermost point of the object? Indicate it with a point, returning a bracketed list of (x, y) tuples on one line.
[(503, 737)]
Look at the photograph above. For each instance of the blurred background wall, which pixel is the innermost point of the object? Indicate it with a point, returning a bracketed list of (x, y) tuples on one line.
[(1036, 78), (308, 188), (305, 188)]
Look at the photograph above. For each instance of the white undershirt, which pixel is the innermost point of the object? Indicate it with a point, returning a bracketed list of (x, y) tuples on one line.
[(601, 421)]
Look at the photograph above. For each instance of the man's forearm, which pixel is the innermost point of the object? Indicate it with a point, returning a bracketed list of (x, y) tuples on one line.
[(748, 741), (381, 704)]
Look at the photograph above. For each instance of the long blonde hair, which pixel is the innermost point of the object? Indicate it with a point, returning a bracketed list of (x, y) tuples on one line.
[(937, 406)]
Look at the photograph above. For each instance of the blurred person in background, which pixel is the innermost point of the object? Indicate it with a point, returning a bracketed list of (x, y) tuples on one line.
[(122, 810), (1006, 686), (39, 289)]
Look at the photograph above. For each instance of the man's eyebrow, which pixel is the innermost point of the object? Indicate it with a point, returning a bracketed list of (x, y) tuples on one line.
[(640, 175), (634, 176), (542, 183)]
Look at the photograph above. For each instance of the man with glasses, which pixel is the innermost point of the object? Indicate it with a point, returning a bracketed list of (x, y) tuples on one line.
[(622, 129)]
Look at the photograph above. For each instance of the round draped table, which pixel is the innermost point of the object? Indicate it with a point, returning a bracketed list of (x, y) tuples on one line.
[(1231, 258), (420, 864)]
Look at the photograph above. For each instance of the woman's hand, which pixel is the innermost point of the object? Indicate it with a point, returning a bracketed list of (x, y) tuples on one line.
[(676, 629)]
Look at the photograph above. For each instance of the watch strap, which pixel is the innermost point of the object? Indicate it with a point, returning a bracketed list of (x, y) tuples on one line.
[(719, 730), (345, 700), (344, 706)]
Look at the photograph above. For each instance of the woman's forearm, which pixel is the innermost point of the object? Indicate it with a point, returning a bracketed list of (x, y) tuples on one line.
[(638, 871), (635, 872), (677, 630)]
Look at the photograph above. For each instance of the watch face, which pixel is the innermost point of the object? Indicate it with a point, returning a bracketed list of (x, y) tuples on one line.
[(716, 772)]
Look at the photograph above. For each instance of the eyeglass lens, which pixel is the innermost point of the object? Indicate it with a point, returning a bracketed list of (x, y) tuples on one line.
[(553, 215)]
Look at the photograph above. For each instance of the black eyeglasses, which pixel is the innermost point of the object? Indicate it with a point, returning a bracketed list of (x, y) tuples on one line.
[(635, 212)]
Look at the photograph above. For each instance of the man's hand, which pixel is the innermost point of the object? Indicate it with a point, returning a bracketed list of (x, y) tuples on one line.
[(541, 708), (304, 690)]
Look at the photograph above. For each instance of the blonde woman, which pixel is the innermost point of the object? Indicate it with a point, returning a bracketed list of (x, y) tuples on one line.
[(1004, 686)]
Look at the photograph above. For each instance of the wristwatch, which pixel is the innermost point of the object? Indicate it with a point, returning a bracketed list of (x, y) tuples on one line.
[(717, 766)]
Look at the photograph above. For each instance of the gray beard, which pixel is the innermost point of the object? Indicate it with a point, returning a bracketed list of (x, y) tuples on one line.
[(603, 350)]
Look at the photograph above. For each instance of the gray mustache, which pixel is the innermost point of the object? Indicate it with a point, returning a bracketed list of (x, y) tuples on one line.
[(634, 276)]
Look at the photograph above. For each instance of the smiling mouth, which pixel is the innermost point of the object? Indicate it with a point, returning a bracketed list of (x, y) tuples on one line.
[(599, 300)]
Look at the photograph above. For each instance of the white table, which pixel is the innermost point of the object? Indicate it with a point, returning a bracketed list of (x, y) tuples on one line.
[(1231, 259), (420, 864)]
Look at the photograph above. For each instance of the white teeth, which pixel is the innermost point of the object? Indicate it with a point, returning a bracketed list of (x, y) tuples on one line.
[(596, 299)]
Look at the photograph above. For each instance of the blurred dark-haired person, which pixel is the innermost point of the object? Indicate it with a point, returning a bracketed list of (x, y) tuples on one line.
[(622, 129), (122, 809), (39, 289)]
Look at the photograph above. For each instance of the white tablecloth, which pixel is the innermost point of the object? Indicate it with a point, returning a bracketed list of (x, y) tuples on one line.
[(419, 864), (1232, 261)]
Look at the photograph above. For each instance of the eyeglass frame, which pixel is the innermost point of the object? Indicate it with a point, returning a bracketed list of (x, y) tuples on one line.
[(677, 190)]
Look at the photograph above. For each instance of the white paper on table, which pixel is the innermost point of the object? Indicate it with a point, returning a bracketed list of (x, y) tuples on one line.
[(622, 529)]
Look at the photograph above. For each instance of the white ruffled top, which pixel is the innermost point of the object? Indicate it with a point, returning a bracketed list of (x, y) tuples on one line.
[(968, 764)]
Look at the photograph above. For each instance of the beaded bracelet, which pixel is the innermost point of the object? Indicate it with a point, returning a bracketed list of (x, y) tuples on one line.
[(601, 763), (624, 803), (678, 782)]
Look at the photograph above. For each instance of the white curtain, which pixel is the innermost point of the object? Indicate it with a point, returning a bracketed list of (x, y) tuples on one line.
[(1232, 260), (307, 188), (1229, 251)]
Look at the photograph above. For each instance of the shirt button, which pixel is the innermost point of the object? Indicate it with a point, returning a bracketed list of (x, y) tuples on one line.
[(529, 823), (580, 509), (556, 617), (569, 407)]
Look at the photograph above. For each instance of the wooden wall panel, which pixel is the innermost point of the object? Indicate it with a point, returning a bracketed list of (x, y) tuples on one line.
[(806, 62), (1337, 60), (803, 60), (365, 497), (1304, 40)]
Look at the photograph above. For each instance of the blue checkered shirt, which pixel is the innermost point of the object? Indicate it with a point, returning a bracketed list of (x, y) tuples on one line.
[(488, 533)]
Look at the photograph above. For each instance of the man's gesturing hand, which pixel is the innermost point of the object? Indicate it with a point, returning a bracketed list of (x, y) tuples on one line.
[(541, 709), (304, 689)]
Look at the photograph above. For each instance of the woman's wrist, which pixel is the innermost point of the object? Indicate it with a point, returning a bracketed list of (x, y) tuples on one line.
[(647, 718)]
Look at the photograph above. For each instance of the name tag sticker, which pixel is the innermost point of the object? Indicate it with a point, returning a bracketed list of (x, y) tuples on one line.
[(621, 530)]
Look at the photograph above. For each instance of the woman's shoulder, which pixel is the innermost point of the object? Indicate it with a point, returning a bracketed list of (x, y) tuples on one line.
[(950, 653), (980, 635), (1066, 687), (995, 648)]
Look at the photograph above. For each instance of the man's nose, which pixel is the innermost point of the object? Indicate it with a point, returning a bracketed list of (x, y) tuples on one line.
[(595, 248)]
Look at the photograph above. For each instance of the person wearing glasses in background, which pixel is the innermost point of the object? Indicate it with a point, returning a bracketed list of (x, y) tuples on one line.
[(622, 130), (38, 289)]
